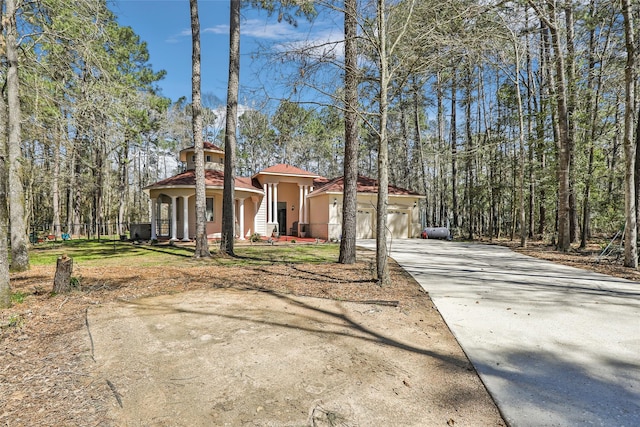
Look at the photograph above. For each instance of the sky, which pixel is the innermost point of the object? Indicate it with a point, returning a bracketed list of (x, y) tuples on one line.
[(165, 26)]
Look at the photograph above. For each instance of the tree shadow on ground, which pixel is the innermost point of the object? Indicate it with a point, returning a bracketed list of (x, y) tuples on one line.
[(338, 318), (536, 397)]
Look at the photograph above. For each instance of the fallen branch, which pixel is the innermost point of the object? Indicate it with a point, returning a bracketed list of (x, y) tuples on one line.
[(86, 322), (115, 392), (375, 302)]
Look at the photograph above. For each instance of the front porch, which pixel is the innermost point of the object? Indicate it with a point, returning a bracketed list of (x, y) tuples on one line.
[(173, 216)]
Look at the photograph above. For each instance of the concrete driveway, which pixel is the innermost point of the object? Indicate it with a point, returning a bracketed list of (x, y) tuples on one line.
[(555, 345)]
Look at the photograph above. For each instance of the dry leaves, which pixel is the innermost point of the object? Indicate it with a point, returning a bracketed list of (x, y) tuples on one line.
[(45, 351)]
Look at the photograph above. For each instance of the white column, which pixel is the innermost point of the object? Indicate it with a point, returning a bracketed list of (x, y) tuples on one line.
[(174, 218), (241, 214), (301, 204), (152, 208), (306, 204), (268, 192), (185, 218), (255, 216), (270, 204), (275, 203)]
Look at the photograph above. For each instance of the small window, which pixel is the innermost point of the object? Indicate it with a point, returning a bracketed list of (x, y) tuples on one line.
[(193, 158), (208, 159), (209, 211), (221, 160)]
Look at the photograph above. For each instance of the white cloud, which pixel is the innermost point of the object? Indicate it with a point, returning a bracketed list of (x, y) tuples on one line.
[(322, 44), (217, 29), (256, 28), (268, 31), (317, 39)]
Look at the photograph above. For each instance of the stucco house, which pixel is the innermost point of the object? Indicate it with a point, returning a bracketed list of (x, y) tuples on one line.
[(281, 199)]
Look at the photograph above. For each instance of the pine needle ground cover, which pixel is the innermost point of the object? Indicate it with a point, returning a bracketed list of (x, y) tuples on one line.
[(49, 375)]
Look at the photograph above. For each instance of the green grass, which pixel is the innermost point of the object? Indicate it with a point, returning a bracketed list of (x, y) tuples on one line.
[(18, 297), (115, 253), (290, 254)]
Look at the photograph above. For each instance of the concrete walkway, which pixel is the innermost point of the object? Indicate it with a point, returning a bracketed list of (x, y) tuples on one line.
[(555, 345)]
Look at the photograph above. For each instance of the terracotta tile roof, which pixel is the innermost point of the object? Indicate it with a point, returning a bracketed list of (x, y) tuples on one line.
[(212, 179), (283, 169), (210, 147), (320, 182), (365, 185)]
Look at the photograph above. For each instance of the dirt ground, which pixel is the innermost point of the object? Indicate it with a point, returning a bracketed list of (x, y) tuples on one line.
[(281, 345)]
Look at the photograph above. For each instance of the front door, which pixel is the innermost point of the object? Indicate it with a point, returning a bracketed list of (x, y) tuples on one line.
[(282, 218)]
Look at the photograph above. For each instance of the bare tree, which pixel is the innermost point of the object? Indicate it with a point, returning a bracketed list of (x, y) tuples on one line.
[(202, 244), (228, 222)]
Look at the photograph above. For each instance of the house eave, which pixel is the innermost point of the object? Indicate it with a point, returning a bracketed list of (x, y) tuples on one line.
[(148, 189), (364, 193), (290, 175)]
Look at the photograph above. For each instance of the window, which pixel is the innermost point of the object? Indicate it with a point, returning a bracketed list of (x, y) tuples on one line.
[(208, 159), (193, 158), (209, 211)]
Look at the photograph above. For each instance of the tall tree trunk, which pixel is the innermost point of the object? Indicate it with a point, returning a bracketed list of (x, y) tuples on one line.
[(55, 184), (541, 114), (631, 233), (613, 157), (530, 137), (123, 190), (228, 197), (469, 178), (564, 142), (350, 195), (5, 283), (19, 247), (571, 121), (592, 101), (417, 135), (76, 171), (440, 190), (382, 267), (454, 149), (521, 158), (98, 218), (202, 244), (637, 168)]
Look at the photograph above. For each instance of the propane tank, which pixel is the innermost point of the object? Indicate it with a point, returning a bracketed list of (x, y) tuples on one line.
[(436, 233)]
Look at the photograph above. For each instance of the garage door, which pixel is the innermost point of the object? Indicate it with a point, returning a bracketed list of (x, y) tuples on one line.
[(364, 229), (398, 224)]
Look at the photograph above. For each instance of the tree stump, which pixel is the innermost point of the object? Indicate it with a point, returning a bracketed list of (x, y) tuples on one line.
[(62, 279)]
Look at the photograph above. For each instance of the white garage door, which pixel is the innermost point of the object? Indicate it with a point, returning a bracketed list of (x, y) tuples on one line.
[(364, 229), (398, 224)]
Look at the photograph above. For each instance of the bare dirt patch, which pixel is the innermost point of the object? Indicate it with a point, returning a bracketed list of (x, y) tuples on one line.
[(277, 345)]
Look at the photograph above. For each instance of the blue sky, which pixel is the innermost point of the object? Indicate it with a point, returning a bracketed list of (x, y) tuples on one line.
[(165, 26)]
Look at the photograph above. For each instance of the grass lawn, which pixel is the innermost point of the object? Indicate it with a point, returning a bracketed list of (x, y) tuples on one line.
[(92, 253)]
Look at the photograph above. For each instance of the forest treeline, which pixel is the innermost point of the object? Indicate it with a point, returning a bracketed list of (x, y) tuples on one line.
[(515, 118)]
